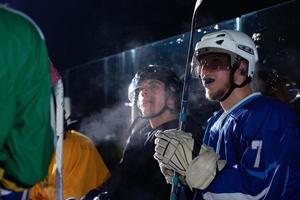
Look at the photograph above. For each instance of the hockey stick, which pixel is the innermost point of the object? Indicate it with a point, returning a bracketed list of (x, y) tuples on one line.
[(185, 95), (59, 130)]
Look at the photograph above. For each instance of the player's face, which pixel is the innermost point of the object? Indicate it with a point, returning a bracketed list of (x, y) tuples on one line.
[(151, 97), (214, 73)]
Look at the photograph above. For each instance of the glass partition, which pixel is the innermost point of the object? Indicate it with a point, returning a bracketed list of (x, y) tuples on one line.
[(98, 89)]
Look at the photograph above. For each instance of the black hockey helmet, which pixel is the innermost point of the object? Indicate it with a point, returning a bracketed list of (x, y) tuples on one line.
[(164, 74), (156, 72)]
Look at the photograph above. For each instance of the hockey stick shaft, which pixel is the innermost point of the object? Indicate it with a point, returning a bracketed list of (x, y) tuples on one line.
[(185, 95), (59, 129), (187, 77)]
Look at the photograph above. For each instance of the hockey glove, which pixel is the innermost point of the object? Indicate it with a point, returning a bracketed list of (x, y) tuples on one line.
[(169, 173), (174, 149)]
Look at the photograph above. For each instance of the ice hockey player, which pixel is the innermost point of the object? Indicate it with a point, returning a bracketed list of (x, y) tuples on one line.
[(156, 91), (250, 145)]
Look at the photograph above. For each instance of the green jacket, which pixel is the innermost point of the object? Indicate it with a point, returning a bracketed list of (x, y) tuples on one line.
[(26, 137)]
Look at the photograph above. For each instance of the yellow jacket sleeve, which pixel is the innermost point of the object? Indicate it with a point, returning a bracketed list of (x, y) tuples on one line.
[(84, 169)]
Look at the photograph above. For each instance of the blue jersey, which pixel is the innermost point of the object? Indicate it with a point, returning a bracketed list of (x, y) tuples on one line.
[(259, 138)]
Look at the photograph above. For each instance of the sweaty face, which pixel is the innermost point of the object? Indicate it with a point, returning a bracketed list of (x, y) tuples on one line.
[(151, 97), (213, 69)]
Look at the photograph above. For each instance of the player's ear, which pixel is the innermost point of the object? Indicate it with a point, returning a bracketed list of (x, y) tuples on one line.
[(243, 68)]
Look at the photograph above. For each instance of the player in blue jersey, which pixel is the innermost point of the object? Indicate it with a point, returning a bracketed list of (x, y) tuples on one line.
[(250, 146)]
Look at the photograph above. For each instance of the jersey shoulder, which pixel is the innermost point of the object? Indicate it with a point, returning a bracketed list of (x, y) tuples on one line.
[(270, 107), (16, 22), (264, 114)]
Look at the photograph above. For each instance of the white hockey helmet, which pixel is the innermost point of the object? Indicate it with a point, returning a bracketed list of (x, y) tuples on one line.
[(234, 43)]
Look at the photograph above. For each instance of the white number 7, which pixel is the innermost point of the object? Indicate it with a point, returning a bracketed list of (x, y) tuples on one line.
[(257, 144)]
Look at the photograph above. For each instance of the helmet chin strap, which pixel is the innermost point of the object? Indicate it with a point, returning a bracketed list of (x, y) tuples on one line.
[(233, 85), (156, 114), (165, 108)]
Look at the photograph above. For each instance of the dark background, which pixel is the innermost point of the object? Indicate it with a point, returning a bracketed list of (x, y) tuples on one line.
[(81, 30)]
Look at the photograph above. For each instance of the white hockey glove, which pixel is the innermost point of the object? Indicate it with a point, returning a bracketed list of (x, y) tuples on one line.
[(169, 173), (174, 151)]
